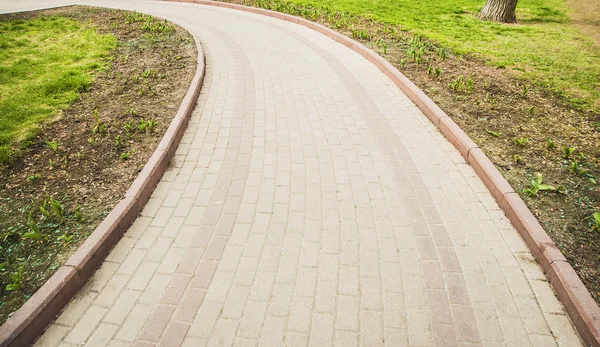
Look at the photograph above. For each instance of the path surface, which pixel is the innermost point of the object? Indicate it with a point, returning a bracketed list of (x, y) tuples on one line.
[(310, 203)]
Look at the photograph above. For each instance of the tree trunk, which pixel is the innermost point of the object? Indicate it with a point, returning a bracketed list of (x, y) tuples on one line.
[(499, 11)]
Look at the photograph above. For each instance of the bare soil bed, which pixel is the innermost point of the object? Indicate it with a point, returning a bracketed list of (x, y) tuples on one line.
[(103, 140)]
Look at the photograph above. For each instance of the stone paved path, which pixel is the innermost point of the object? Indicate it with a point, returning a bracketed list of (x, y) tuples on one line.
[(310, 203)]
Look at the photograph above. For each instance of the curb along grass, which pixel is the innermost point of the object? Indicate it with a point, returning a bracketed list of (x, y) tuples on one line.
[(33, 317), (579, 304)]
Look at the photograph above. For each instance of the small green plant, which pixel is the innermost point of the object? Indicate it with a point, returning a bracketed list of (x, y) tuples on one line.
[(44, 209), (457, 84), (470, 83), (34, 177), (441, 52), (131, 112), (381, 43), (517, 158), (577, 169), (429, 70), (521, 142), (58, 209), (596, 217), (493, 133), (17, 280), (525, 91), (52, 163), (53, 145), (438, 72), (128, 128), (151, 125), (403, 62), (66, 238), (568, 152), (118, 141), (531, 110), (79, 213), (34, 230), (126, 155), (537, 185), (593, 181), (550, 144), (143, 126)]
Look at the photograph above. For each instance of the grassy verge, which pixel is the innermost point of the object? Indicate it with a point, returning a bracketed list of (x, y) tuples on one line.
[(85, 156), (534, 136), (544, 48), (44, 64)]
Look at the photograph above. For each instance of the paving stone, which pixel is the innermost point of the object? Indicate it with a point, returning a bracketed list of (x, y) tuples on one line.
[(311, 204)]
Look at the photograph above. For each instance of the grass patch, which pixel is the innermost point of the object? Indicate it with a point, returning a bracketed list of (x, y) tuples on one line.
[(44, 64), (544, 48)]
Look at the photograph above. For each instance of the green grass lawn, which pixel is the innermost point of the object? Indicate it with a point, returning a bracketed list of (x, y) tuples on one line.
[(544, 47), (44, 64)]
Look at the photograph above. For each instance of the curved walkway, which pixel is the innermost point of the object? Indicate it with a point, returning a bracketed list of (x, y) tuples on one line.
[(310, 203)]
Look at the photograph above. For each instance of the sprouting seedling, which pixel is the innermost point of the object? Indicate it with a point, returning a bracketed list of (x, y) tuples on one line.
[(593, 181), (53, 145), (531, 110), (17, 280), (126, 155), (596, 217), (469, 83), (438, 72), (151, 125), (521, 142), (550, 144), (52, 164), (577, 169), (58, 209), (143, 126), (118, 141), (65, 159), (128, 127), (34, 177), (381, 43), (44, 209), (79, 213), (517, 158), (568, 151), (429, 70), (34, 230), (403, 62), (441, 53), (582, 156), (457, 84), (493, 133), (537, 185), (525, 91), (130, 111), (66, 238)]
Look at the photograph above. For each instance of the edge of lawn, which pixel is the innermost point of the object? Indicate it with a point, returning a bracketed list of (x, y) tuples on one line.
[(577, 300), (28, 322)]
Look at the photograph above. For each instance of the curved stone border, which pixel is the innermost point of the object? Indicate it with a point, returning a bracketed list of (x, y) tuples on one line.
[(28, 322), (579, 304)]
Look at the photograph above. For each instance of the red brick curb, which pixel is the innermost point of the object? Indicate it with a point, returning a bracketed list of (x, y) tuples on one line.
[(578, 302), (33, 317)]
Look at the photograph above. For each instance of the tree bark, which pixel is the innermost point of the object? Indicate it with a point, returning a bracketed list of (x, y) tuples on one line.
[(499, 11)]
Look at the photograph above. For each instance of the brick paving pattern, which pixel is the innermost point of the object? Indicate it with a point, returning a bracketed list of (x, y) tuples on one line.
[(310, 203)]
